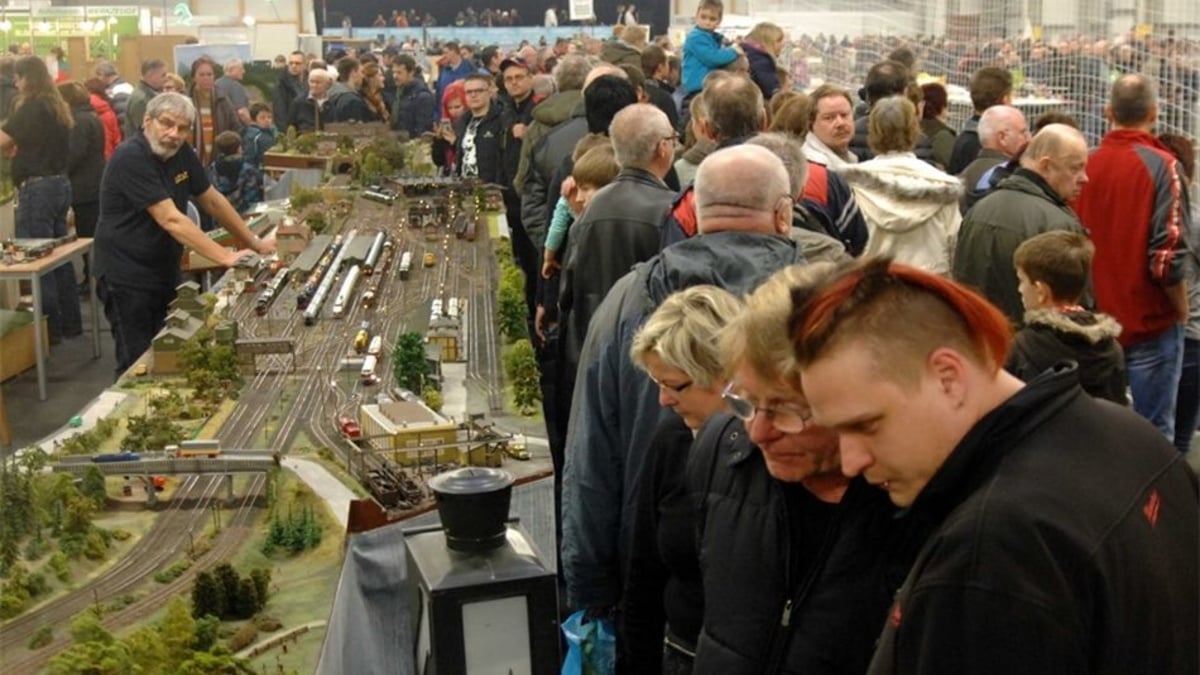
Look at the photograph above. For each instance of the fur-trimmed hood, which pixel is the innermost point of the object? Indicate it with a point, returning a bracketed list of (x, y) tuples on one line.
[(898, 192), (1092, 327)]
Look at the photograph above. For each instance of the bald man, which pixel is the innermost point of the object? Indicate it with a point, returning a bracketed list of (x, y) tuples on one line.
[(1033, 200), (1003, 132), (742, 241)]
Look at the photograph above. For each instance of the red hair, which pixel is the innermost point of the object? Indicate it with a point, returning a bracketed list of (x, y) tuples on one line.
[(898, 308), (454, 90)]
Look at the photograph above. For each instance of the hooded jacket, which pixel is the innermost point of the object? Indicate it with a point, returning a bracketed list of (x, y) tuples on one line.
[(764, 615), (547, 157), (911, 209), (1022, 206), (1089, 339), (553, 111), (762, 68), (1065, 543), (615, 406)]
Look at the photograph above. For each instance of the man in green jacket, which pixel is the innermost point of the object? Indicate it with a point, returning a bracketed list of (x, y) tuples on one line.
[(1031, 201)]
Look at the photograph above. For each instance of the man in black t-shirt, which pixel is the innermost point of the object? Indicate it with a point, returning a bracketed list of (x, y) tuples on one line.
[(143, 227)]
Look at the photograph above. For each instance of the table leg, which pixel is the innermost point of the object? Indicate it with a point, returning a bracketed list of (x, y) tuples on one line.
[(95, 318), (35, 280)]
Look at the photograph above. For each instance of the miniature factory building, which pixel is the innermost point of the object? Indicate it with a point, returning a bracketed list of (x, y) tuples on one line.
[(406, 426), (306, 261), (186, 316)]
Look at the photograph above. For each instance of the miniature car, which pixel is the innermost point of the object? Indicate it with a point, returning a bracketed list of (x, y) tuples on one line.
[(430, 259), (140, 369), (518, 451), (75, 422)]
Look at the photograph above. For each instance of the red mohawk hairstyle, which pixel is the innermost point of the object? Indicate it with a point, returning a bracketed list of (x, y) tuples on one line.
[(901, 314)]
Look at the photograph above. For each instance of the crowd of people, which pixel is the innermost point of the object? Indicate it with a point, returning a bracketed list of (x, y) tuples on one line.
[(853, 395), (830, 385)]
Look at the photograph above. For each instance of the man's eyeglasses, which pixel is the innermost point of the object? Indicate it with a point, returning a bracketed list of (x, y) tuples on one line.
[(789, 419), (474, 92), (674, 138), (676, 390)]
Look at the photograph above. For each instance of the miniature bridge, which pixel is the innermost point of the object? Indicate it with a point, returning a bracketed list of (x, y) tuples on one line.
[(162, 464)]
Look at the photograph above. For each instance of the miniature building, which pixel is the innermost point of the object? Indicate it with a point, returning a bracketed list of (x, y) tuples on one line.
[(226, 332), (179, 329), (433, 355), (358, 248), (307, 261), (444, 332), (187, 299), (291, 240), (406, 426)]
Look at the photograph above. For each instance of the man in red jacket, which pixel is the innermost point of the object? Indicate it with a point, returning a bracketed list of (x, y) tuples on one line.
[(1135, 206)]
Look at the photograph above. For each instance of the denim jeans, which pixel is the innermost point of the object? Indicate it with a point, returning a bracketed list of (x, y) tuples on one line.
[(1187, 405), (42, 205), (136, 315), (1154, 367)]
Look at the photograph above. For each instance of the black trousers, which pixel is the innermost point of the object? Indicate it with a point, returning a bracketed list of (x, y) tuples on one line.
[(135, 315)]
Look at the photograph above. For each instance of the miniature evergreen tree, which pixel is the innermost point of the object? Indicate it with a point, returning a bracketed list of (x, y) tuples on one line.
[(246, 602), (207, 596), (409, 364), (93, 486)]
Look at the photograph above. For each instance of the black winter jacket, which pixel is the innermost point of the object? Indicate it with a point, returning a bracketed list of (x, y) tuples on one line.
[(622, 226), (1089, 339), (307, 116), (511, 114), (544, 159), (966, 146), (85, 156), (347, 105), (1067, 544), (287, 89), (760, 616), (414, 109), (488, 137)]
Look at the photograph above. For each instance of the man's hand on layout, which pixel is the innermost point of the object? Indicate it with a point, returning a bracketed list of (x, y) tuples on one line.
[(243, 258)]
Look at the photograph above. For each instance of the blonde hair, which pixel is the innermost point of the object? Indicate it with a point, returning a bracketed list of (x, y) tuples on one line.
[(681, 331), (759, 337), (766, 34)]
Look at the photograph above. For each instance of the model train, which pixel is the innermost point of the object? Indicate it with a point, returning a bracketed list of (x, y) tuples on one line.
[(343, 296), (210, 448), (405, 265), (373, 254), (380, 195), (263, 303), (117, 457), (349, 428), (367, 373)]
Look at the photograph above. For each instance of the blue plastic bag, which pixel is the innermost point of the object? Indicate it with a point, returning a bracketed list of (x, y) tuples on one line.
[(591, 646)]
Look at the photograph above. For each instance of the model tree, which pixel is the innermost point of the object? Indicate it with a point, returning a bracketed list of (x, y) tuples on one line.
[(520, 365), (433, 399), (409, 364), (93, 486)]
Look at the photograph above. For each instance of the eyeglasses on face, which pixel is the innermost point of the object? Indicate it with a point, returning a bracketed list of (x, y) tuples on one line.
[(789, 419), (474, 92), (675, 390)]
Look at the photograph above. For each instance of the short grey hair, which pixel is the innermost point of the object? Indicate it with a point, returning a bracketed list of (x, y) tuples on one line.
[(570, 72), (789, 151), (105, 69), (681, 331), (173, 103), (994, 120), (320, 74), (232, 63), (636, 132)]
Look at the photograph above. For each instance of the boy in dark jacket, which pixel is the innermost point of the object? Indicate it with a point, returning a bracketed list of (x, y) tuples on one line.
[(259, 136), (235, 178), (1052, 272)]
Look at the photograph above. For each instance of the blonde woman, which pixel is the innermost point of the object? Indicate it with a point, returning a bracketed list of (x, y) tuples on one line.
[(762, 46), (663, 599)]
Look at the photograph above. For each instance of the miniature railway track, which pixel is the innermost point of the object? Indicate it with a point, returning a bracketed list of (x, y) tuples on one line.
[(155, 549)]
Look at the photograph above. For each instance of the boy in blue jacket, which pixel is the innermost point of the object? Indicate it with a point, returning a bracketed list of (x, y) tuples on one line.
[(702, 50)]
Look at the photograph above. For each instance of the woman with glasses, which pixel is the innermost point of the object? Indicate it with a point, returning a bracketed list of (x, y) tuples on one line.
[(663, 600), (798, 562)]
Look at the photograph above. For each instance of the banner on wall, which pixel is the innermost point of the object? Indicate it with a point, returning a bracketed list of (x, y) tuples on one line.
[(582, 10), (219, 53)]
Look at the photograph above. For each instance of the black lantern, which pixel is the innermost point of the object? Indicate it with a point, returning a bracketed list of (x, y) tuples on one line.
[(486, 602)]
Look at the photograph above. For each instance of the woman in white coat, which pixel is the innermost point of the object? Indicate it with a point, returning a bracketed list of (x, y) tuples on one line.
[(911, 207)]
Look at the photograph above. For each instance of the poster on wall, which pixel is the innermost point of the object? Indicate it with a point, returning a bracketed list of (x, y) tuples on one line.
[(219, 53), (581, 10)]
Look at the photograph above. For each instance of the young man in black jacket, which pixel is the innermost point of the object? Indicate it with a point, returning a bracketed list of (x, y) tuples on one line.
[(477, 134), (414, 108), (1065, 537)]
